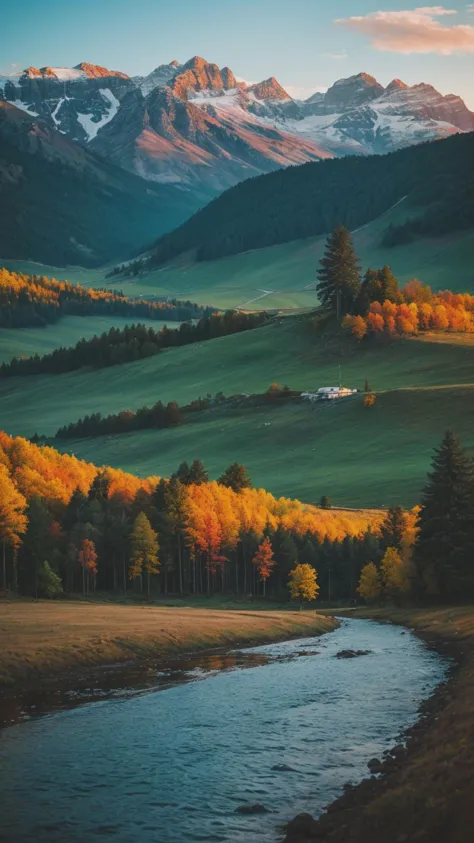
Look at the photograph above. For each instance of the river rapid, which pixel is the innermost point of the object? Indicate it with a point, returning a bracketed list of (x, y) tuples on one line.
[(285, 725)]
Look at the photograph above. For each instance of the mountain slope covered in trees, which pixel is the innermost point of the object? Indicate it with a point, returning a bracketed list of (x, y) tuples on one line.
[(66, 205), (312, 199)]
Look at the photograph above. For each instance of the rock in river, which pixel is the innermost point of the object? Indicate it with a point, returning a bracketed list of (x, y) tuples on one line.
[(351, 654)]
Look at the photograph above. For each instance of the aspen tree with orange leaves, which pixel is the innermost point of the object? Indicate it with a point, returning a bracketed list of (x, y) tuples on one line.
[(264, 561), (88, 561)]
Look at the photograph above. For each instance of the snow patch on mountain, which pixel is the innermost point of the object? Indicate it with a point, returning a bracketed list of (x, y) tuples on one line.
[(65, 74), (91, 126)]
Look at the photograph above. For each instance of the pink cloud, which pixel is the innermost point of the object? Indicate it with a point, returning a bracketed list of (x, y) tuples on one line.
[(413, 31)]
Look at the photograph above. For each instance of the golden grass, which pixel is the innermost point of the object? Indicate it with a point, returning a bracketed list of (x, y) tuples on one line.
[(40, 639)]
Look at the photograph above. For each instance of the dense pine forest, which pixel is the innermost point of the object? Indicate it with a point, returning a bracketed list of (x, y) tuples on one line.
[(134, 342), (31, 300), (66, 526), (313, 198)]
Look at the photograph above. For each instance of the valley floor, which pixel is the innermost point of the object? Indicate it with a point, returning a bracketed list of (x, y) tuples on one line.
[(41, 640), (426, 790)]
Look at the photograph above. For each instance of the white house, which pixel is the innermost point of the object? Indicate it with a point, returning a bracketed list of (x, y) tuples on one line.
[(326, 393)]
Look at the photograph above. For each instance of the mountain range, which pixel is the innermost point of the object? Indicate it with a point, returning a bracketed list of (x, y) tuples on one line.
[(196, 126)]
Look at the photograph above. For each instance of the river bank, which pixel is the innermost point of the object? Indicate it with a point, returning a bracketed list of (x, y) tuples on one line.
[(426, 789), (47, 643)]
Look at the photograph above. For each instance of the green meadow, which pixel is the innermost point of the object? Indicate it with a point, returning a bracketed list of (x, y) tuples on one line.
[(289, 350), (359, 457), (284, 276)]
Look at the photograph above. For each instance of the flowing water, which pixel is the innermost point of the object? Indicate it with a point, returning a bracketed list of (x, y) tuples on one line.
[(284, 725)]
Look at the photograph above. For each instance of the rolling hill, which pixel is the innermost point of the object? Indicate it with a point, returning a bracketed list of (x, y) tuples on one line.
[(359, 456)]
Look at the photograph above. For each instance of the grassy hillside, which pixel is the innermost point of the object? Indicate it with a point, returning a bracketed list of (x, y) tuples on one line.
[(359, 457), (24, 342), (288, 350), (284, 276)]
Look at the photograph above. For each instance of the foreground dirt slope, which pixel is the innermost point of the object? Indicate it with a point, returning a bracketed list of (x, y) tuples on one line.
[(426, 793), (41, 638)]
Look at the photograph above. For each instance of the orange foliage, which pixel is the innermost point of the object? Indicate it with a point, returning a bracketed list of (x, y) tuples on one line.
[(46, 473), (421, 310)]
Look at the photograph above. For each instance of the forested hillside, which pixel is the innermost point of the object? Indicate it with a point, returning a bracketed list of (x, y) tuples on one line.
[(30, 300), (312, 199), (69, 524)]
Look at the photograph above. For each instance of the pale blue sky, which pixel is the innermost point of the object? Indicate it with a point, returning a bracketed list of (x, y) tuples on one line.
[(298, 41)]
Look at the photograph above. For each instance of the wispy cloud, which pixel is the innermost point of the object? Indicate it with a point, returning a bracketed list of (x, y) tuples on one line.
[(413, 31)]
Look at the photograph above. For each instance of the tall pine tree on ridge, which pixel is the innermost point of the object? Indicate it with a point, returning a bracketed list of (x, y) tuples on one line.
[(339, 276)]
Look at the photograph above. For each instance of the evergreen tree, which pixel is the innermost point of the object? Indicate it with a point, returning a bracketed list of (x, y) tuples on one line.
[(339, 276), (236, 477), (393, 527), (388, 284), (183, 474), (99, 489), (444, 549), (198, 474), (38, 544)]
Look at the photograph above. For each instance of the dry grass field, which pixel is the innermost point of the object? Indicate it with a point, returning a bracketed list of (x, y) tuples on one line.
[(42, 638)]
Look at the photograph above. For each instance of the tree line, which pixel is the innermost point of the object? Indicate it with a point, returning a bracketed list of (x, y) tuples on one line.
[(133, 342), (193, 535), (311, 199), (162, 415), (35, 300), (66, 525)]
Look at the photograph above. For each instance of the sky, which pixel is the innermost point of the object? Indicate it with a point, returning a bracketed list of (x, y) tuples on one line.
[(306, 44)]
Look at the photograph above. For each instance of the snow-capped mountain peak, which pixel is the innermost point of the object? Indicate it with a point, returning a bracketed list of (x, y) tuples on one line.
[(196, 124)]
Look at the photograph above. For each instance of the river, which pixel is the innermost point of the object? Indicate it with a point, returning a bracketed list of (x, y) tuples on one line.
[(285, 725)]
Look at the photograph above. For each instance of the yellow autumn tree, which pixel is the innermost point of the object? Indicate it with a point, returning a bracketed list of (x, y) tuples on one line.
[(370, 584), (303, 583), (394, 574), (13, 521)]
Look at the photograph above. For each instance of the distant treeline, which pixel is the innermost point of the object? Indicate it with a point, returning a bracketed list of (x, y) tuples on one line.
[(161, 415), (31, 300), (133, 342), (312, 199)]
